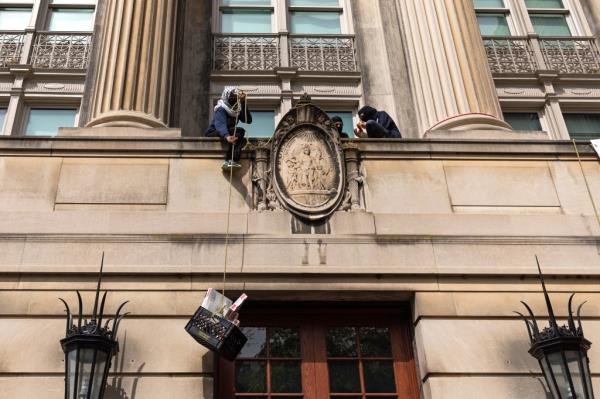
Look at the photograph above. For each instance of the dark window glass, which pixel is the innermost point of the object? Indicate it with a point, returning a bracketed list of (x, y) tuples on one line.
[(583, 126), (344, 377), (379, 376), (251, 377), (341, 342), (375, 342), (257, 342), (285, 342), (286, 377), (526, 121)]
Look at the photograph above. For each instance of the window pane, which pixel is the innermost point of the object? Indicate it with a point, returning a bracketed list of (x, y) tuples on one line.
[(250, 377), (245, 21), (341, 342), (347, 119), (263, 124), (550, 25), (375, 342), (246, 2), (2, 117), (544, 4), (488, 3), (583, 126), (304, 22), (284, 342), (523, 121), (286, 377), (14, 18), (256, 346), (493, 25), (379, 376), (45, 122), (343, 377), (71, 19), (314, 3)]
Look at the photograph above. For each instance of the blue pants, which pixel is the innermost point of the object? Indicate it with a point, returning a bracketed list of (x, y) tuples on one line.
[(239, 145)]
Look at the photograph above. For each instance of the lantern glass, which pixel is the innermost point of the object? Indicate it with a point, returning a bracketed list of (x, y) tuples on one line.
[(559, 370), (576, 372), (548, 375), (85, 364)]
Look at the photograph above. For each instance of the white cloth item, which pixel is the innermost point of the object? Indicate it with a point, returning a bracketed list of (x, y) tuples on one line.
[(596, 145), (224, 102)]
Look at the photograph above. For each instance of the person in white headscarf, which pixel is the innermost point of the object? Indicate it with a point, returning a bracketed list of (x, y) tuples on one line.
[(230, 109)]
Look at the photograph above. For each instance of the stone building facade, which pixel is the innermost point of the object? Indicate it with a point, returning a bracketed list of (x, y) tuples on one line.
[(405, 288)]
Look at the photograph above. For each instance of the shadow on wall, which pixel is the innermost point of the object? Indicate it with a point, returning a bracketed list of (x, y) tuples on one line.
[(238, 183), (114, 386)]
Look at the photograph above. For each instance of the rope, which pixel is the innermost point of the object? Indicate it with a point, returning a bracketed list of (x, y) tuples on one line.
[(587, 185)]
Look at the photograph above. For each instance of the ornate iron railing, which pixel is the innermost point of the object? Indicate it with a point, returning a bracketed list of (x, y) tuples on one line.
[(510, 55), (62, 50), (11, 47), (245, 52), (323, 53), (571, 54)]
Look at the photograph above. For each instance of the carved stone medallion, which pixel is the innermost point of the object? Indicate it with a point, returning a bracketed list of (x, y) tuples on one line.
[(307, 162)]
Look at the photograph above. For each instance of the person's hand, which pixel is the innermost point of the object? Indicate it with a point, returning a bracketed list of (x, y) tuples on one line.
[(361, 125), (242, 96), (359, 133), (231, 139)]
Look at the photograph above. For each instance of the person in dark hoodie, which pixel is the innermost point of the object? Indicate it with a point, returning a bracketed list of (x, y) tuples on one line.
[(339, 126), (376, 124), (230, 109)]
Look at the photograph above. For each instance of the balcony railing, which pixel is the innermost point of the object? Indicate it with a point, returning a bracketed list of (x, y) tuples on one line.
[(11, 47), (323, 53), (249, 52), (570, 55), (62, 50), (513, 55), (245, 52)]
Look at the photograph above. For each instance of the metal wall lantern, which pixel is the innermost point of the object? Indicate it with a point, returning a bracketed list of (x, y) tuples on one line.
[(561, 351), (89, 348)]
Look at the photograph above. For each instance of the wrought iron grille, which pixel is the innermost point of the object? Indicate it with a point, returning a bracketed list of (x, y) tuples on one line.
[(510, 55), (323, 53), (61, 50), (11, 47), (245, 53), (571, 55)]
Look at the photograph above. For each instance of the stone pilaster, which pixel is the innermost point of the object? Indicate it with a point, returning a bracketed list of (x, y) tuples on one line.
[(450, 77), (133, 77)]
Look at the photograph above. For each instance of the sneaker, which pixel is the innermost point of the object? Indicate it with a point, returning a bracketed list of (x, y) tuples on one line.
[(229, 165)]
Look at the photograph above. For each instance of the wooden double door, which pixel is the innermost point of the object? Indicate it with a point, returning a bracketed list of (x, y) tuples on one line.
[(322, 353)]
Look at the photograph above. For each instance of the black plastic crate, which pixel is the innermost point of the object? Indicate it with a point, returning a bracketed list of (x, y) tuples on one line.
[(216, 333)]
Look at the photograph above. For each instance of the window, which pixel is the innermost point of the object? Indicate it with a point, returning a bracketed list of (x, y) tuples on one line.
[(263, 124), (313, 353), (346, 119), (315, 17), (549, 17), (583, 126), (2, 118), (523, 121), (46, 121), (492, 16), (71, 19), (14, 18), (246, 16)]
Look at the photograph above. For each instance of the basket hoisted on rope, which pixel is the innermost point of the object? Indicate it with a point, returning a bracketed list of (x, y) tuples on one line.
[(215, 325)]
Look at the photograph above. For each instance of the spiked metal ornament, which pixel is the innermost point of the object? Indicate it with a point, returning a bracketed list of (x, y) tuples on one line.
[(561, 350), (89, 347)]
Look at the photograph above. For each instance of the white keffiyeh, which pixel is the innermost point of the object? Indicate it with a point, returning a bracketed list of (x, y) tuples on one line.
[(224, 102)]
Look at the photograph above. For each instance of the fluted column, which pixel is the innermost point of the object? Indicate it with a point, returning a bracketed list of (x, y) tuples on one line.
[(133, 78), (450, 77)]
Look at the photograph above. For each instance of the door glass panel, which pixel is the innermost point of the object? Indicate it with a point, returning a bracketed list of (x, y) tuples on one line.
[(488, 3), (284, 342), (256, 346), (341, 342), (344, 377), (550, 25), (375, 342), (493, 25), (286, 377), (251, 376), (379, 376), (315, 22)]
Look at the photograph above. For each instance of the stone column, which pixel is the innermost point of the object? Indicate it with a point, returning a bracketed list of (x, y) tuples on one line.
[(133, 78), (450, 77)]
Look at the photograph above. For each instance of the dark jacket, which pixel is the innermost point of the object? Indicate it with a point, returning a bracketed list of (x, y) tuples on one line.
[(382, 118), (223, 124), (341, 129)]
